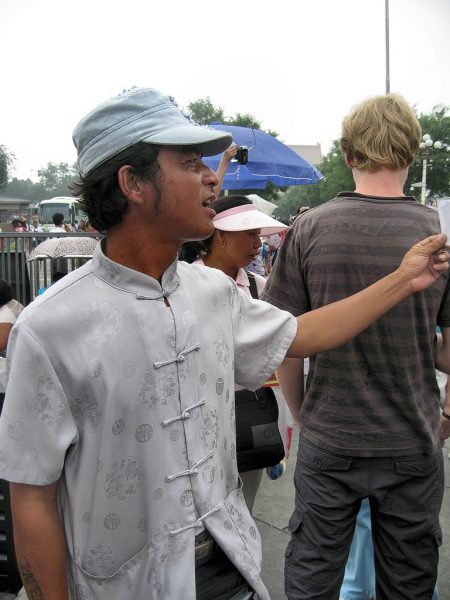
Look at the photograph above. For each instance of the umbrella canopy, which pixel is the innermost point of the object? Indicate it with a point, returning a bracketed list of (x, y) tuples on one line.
[(268, 160), (64, 247)]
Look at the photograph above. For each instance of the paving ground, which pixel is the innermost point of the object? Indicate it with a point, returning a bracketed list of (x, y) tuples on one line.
[(273, 508)]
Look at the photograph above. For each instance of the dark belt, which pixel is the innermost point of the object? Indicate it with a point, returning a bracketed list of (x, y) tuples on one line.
[(204, 548)]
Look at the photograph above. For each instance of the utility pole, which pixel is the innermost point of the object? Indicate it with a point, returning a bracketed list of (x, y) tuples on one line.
[(388, 81)]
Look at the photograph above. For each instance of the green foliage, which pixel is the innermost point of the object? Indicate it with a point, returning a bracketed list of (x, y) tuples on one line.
[(21, 188), (244, 120), (437, 124), (203, 111), (54, 180), (6, 162)]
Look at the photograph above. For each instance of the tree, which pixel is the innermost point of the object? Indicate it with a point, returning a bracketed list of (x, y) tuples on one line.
[(21, 188), (244, 120), (6, 162), (56, 178), (437, 124), (203, 111)]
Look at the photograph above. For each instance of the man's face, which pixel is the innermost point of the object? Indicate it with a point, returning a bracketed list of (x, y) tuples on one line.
[(183, 191)]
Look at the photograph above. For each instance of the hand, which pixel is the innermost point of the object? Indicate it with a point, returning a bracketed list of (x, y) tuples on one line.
[(230, 152), (425, 262), (445, 430)]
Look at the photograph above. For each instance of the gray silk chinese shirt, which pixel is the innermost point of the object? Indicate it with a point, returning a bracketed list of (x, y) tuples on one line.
[(128, 402)]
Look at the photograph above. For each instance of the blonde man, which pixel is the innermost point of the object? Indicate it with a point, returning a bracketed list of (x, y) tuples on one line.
[(370, 419)]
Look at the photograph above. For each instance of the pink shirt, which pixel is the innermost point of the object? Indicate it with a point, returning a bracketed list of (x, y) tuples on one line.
[(242, 280)]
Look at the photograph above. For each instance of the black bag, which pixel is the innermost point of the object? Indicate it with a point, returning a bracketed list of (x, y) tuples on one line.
[(258, 439)]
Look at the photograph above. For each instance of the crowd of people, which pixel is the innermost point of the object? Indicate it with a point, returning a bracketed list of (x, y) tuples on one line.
[(118, 432), (21, 224)]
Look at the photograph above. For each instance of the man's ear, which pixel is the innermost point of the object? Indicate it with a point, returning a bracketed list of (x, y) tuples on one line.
[(131, 185), (348, 160)]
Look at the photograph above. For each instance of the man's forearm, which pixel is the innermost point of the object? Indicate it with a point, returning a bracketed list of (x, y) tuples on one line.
[(221, 172), (39, 541), (443, 351), (290, 376)]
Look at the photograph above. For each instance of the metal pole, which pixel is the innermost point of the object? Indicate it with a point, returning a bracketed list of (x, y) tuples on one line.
[(388, 80), (423, 193)]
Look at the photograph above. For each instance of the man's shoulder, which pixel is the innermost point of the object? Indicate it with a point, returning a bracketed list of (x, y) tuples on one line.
[(200, 274), (67, 294)]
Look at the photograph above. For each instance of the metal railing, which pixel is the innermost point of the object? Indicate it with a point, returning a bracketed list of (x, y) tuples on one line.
[(27, 278)]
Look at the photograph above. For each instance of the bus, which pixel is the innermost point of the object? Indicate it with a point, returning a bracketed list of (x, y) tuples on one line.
[(68, 206)]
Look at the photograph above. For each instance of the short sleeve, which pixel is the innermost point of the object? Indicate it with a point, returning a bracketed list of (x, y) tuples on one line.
[(286, 286), (262, 336), (36, 425), (6, 315)]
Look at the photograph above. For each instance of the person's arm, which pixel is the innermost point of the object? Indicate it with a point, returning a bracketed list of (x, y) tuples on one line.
[(290, 376), (443, 350), (223, 165), (5, 330), (332, 325), (445, 421), (39, 541)]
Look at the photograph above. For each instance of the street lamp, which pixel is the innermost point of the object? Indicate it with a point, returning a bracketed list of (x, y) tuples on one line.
[(425, 147)]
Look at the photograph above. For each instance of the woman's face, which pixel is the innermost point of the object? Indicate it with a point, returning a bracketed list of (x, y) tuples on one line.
[(241, 247)]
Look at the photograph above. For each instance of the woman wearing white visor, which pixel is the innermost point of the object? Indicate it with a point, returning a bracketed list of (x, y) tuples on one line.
[(235, 243)]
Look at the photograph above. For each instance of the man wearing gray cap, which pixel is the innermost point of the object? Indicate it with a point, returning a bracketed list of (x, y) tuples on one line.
[(118, 433)]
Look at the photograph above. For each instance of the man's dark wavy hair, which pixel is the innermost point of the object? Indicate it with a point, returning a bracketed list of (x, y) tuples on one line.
[(99, 191), (6, 293)]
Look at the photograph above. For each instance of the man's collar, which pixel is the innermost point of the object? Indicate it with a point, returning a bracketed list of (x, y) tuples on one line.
[(125, 279)]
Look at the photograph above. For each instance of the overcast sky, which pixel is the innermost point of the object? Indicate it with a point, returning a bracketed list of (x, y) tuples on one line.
[(296, 65)]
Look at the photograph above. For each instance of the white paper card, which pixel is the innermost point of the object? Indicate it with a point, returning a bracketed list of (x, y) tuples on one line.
[(444, 217)]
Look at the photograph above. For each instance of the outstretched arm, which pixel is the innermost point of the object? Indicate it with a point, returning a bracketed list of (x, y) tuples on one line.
[(223, 165), (39, 541), (332, 325)]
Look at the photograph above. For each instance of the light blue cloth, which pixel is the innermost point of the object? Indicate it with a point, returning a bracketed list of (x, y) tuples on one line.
[(359, 578)]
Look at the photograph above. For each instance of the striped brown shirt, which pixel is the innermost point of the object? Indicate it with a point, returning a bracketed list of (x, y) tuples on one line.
[(376, 395)]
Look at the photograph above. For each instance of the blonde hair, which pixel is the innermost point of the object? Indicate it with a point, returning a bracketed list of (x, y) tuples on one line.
[(382, 131)]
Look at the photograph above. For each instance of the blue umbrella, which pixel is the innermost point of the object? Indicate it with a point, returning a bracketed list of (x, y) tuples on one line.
[(268, 160)]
